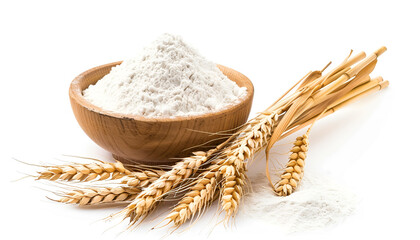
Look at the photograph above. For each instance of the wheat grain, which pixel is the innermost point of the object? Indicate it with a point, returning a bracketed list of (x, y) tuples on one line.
[(141, 179), (293, 172), (96, 195)]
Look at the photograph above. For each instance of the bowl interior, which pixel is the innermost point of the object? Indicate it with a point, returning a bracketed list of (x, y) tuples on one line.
[(93, 75)]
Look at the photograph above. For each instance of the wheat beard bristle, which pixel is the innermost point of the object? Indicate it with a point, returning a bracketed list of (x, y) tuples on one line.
[(84, 172), (293, 174), (92, 196)]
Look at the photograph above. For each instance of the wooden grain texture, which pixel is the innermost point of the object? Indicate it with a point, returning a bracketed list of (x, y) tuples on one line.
[(153, 140)]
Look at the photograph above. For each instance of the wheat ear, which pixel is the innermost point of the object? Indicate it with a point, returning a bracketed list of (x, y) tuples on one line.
[(233, 166), (232, 190), (197, 198), (99, 195), (146, 201), (84, 172), (293, 173)]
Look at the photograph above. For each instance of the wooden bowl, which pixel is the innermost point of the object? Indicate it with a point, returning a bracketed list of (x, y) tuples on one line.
[(153, 140)]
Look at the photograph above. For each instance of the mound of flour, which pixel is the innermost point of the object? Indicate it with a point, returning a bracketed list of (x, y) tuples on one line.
[(167, 79), (317, 203)]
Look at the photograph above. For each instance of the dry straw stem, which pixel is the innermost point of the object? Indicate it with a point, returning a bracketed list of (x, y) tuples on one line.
[(99, 195), (315, 84), (314, 92), (293, 173), (302, 123), (307, 119)]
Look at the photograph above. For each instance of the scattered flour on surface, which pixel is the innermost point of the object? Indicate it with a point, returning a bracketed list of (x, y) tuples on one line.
[(167, 79), (318, 203)]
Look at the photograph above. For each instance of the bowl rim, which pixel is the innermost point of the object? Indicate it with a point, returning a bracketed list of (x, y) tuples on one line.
[(75, 92)]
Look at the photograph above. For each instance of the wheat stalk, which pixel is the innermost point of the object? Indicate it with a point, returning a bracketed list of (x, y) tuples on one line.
[(293, 173), (99, 195), (84, 172)]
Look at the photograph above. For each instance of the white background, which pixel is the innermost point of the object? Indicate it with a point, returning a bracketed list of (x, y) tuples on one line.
[(370, 146)]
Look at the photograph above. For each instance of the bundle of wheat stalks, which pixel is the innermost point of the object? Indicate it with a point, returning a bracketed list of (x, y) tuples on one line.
[(220, 173)]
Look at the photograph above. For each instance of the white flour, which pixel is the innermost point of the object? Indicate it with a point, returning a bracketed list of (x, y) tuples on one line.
[(167, 79), (318, 203)]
